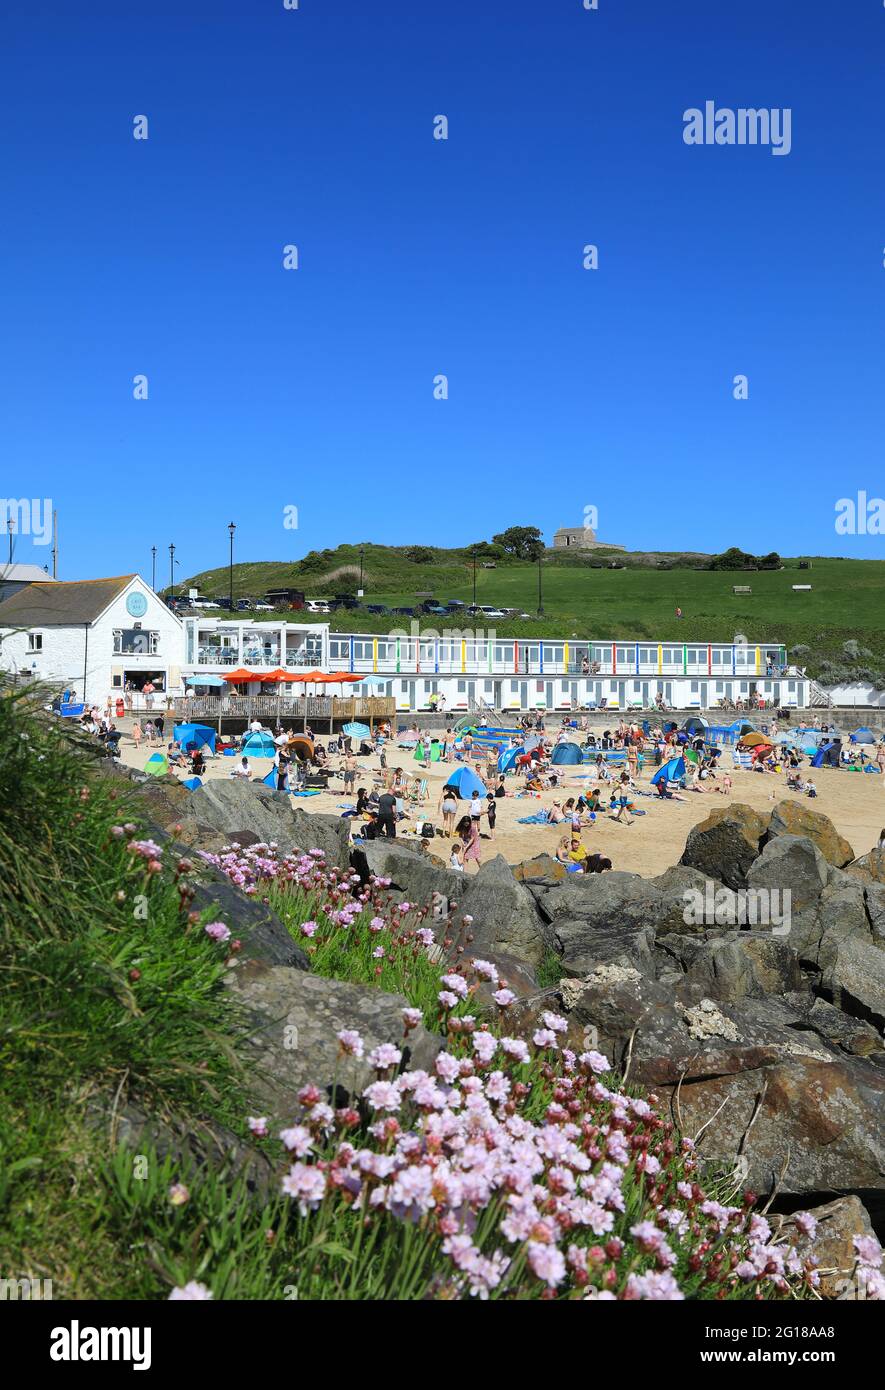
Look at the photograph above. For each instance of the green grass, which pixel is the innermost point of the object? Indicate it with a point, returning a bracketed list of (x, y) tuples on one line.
[(847, 600), (103, 989)]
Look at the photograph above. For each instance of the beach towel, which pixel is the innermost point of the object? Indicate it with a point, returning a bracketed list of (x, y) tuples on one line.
[(539, 818)]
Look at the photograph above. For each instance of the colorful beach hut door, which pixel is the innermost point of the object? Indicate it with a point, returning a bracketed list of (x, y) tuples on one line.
[(523, 694)]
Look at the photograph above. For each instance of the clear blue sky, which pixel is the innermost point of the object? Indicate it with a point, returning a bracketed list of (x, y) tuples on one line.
[(313, 388)]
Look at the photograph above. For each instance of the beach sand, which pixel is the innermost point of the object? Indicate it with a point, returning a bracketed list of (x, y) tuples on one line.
[(854, 802)]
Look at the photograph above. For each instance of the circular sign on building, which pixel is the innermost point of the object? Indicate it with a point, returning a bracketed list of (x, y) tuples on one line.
[(136, 604)]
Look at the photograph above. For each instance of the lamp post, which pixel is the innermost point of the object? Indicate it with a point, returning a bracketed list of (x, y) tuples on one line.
[(11, 527), (473, 553), (540, 593), (231, 528), (361, 570), (154, 568), (171, 569)]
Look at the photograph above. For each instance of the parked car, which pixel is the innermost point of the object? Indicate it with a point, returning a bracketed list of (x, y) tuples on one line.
[(244, 605), (456, 603), (435, 608), (492, 612), (264, 608), (404, 612), (317, 605), (377, 608), (205, 603)]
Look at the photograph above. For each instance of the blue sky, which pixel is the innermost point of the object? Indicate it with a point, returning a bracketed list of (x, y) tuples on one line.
[(314, 388)]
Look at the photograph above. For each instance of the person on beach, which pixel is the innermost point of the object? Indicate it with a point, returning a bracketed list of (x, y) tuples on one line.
[(349, 773), (243, 770), (623, 798), (387, 815), (136, 734), (448, 804), (468, 833), (491, 814)]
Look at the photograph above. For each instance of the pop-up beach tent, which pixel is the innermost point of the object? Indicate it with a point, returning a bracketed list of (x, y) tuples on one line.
[(464, 783), (157, 765), (507, 759), (863, 735), (695, 725), (259, 745), (673, 771), (194, 735), (566, 755)]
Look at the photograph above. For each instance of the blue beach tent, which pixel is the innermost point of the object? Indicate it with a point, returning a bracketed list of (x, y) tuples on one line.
[(673, 771), (465, 782), (258, 745), (189, 734), (566, 755)]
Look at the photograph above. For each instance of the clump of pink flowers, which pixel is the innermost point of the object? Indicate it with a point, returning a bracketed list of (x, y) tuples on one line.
[(527, 1175)]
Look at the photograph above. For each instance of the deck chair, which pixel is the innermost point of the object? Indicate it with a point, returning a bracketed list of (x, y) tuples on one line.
[(418, 790)]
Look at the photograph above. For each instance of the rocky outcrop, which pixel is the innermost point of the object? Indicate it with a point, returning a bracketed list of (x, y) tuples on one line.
[(231, 807), (725, 844), (832, 1245), (291, 1021), (798, 818), (505, 919), (264, 937), (736, 965), (855, 976)]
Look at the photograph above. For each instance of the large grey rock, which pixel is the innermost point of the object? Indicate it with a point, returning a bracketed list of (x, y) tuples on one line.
[(810, 1123), (264, 936), (791, 817), (794, 865), (855, 976), (505, 919), (193, 1144), (832, 1245), (874, 898), (412, 873), (724, 845), (292, 1020), (231, 807), (842, 1030), (736, 965), (842, 914), (601, 919)]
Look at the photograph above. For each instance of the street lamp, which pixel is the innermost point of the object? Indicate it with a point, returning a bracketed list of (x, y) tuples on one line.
[(11, 525), (171, 570), (473, 552), (154, 568), (361, 570), (231, 528), (540, 593)]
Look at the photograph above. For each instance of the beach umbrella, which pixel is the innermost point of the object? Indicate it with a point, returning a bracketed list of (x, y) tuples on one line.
[(239, 675), (754, 740), (357, 730), (278, 675)]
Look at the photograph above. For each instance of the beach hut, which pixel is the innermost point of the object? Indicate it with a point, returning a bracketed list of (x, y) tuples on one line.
[(566, 755), (464, 782), (258, 745)]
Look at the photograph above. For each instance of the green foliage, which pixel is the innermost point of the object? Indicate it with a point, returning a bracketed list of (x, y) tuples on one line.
[(522, 542)]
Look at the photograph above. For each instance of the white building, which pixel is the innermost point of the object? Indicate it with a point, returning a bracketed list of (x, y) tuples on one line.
[(15, 576), (509, 674), (109, 636), (95, 636)]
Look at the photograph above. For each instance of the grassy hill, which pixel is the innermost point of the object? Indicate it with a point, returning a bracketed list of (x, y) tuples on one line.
[(583, 597)]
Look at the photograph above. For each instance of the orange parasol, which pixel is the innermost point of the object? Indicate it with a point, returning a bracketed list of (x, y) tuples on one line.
[(241, 674)]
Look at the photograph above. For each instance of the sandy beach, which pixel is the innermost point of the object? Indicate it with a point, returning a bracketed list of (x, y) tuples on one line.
[(854, 802)]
